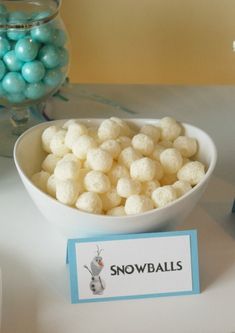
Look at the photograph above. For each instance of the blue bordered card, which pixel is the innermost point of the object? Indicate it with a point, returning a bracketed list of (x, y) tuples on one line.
[(133, 266)]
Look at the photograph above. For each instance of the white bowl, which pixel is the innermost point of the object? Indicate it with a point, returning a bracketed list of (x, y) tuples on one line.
[(28, 156)]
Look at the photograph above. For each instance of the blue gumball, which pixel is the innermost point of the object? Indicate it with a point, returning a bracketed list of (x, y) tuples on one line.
[(43, 33), (53, 77), (26, 49), (16, 34), (17, 18), (33, 71), (12, 62), (64, 57), (16, 98), (4, 46), (49, 56), (2, 69), (13, 83), (59, 37), (35, 90), (42, 15)]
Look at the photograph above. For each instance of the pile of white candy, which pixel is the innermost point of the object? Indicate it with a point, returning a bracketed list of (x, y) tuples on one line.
[(116, 171)]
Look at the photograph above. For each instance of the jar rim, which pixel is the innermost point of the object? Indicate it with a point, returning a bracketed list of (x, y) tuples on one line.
[(33, 22)]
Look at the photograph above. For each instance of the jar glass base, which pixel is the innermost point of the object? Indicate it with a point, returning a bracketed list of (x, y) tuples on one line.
[(13, 124)]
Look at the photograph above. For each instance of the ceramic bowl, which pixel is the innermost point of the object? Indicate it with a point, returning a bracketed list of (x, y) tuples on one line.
[(28, 156)]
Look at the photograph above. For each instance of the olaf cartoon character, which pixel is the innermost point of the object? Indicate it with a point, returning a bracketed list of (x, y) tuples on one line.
[(97, 284)]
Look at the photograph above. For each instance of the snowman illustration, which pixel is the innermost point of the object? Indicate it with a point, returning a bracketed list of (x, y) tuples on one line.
[(97, 284)]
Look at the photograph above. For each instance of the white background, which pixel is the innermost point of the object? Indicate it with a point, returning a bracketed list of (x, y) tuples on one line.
[(137, 251)]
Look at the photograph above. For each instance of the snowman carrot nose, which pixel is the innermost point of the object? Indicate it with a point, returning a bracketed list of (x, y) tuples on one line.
[(101, 263)]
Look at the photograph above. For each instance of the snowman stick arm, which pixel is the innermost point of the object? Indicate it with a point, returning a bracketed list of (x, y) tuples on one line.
[(85, 266)]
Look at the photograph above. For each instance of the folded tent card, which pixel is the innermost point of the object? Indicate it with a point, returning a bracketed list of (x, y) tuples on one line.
[(133, 266)]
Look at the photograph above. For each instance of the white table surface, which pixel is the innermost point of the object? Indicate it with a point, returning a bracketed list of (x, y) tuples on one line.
[(36, 295)]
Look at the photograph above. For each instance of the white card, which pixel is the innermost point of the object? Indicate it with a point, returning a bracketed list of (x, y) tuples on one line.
[(133, 266)]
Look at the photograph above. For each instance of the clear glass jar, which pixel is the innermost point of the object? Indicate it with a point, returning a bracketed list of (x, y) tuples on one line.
[(34, 60)]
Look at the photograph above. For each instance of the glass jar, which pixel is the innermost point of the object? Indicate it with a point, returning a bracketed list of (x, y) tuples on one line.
[(34, 61)]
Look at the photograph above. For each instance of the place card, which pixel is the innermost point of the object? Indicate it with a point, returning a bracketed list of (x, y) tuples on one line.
[(133, 266)]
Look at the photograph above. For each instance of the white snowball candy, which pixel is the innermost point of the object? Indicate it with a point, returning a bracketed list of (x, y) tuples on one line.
[(67, 191), (99, 160), (110, 199), (181, 187), (108, 130), (125, 130), (40, 180), (117, 211), (171, 160), (143, 144), (128, 156), (47, 135), (67, 170), (96, 181), (143, 169), (137, 204), (170, 129), (74, 132), (51, 186), (116, 172), (82, 145), (50, 162), (152, 131), (168, 179), (124, 141), (192, 172), (127, 187), (70, 122), (57, 144), (164, 195), (187, 146), (89, 202), (149, 187), (158, 149), (112, 147), (69, 157)]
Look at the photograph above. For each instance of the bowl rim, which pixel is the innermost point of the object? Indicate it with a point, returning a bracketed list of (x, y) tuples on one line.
[(208, 173)]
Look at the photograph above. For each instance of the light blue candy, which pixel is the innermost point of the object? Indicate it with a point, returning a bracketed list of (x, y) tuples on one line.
[(41, 15), (18, 17), (33, 71), (12, 62), (42, 33), (35, 90), (64, 57), (53, 77), (13, 83), (16, 34), (4, 46), (16, 98), (59, 37), (2, 69), (49, 56), (26, 49)]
